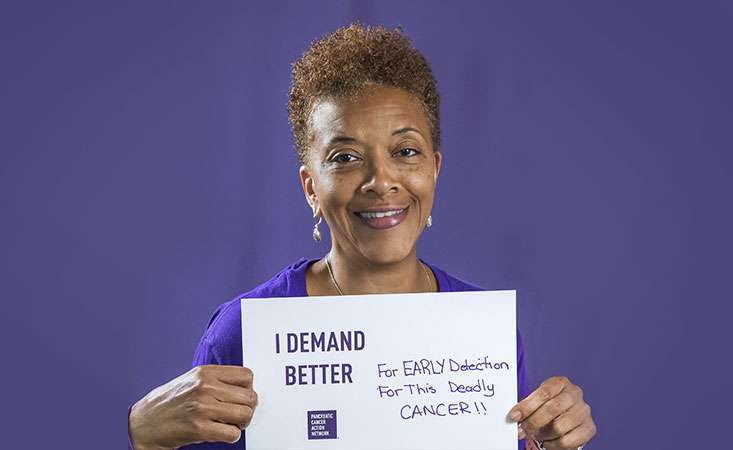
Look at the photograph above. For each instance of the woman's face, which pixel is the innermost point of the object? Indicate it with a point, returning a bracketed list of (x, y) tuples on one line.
[(371, 172)]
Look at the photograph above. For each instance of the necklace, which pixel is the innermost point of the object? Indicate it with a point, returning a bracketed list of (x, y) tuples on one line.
[(338, 288)]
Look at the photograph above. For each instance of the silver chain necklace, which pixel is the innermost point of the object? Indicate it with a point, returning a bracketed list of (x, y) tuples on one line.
[(338, 288)]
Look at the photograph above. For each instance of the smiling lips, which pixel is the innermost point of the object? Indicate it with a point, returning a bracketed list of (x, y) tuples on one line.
[(383, 218)]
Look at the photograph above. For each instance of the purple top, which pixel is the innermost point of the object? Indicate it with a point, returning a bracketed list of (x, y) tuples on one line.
[(222, 340)]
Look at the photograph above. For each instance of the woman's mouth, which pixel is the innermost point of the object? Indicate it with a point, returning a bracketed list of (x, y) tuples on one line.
[(382, 219)]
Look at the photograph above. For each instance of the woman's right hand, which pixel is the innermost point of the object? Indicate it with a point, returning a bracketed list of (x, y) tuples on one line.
[(206, 404)]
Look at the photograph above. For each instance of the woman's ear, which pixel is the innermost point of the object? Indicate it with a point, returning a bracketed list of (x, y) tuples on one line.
[(438, 161), (306, 181)]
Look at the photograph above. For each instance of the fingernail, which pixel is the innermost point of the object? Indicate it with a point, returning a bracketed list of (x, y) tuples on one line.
[(515, 415), (522, 434)]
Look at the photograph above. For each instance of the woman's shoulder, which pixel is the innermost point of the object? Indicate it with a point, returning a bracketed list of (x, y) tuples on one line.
[(451, 283), (224, 329)]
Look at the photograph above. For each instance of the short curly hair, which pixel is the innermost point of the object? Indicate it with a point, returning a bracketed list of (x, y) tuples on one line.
[(343, 62)]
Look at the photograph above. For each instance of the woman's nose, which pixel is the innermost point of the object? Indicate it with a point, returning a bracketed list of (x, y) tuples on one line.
[(380, 179)]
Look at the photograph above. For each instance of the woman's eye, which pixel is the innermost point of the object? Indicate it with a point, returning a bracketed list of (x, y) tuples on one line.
[(408, 152), (344, 158)]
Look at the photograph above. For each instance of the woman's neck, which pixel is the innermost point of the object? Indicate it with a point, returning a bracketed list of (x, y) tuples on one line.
[(355, 275)]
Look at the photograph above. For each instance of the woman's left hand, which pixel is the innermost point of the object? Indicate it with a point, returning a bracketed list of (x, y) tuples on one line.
[(556, 414)]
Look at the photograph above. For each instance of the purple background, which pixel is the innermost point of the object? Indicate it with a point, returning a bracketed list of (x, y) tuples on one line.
[(147, 175)]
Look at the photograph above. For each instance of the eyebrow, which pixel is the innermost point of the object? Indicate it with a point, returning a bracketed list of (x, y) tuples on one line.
[(350, 140), (405, 130), (341, 140)]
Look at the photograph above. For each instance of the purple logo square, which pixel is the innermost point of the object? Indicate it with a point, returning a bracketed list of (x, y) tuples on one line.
[(322, 424)]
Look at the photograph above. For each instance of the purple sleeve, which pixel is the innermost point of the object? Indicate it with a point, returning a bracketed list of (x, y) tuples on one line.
[(204, 354), (522, 388)]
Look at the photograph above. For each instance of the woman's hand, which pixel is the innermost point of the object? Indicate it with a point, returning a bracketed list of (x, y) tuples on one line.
[(556, 414), (206, 404)]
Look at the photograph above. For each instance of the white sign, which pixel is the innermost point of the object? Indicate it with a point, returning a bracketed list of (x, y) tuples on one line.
[(383, 371)]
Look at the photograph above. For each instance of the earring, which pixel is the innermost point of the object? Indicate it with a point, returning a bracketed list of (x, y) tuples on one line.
[(316, 232), (429, 222)]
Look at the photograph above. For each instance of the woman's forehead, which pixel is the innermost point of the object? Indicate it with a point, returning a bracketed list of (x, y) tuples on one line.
[(376, 111)]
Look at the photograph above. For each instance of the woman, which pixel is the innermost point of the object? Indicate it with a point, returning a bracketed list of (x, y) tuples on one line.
[(364, 112)]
